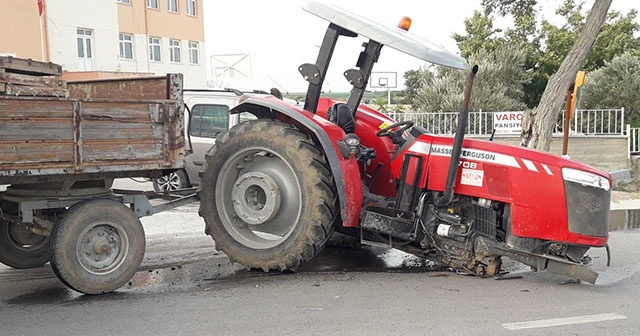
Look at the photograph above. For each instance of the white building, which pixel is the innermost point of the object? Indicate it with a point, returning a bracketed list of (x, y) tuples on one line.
[(109, 38)]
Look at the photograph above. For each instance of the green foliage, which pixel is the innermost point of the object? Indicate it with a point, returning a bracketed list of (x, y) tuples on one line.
[(615, 38), (480, 35), (412, 84), (514, 7), (381, 105), (545, 45), (498, 85), (398, 108), (617, 84)]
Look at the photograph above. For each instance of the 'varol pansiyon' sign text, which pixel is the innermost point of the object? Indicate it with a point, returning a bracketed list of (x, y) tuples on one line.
[(507, 122)]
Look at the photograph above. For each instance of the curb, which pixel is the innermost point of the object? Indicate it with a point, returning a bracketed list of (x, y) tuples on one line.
[(621, 219)]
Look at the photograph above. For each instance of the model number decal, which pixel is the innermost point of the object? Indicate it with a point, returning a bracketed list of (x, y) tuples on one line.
[(467, 164)]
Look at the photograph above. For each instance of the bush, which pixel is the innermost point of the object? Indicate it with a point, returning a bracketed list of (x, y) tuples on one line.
[(498, 85), (617, 84)]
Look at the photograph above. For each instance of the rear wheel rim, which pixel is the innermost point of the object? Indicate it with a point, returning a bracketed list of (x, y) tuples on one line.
[(102, 248), (266, 198)]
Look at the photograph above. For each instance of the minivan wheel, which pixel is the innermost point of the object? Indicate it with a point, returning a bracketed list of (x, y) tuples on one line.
[(172, 181)]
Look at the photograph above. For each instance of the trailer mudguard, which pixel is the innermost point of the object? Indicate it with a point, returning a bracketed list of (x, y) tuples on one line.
[(346, 173)]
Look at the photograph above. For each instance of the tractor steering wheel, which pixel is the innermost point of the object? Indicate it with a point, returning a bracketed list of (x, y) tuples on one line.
[(404, 125)]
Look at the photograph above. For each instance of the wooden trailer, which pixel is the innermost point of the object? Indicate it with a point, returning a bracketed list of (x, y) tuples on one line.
[(61, 146)]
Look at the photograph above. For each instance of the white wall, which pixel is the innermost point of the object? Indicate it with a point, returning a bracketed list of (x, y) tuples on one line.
[(194, 75), (66, 16), (140, 61)]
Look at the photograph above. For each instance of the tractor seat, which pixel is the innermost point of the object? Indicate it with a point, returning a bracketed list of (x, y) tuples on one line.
[(342, 115)]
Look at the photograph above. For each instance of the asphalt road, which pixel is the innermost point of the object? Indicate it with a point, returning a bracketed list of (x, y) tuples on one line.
[(185, 287)]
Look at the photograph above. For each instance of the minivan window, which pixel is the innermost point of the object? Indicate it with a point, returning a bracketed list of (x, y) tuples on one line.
[(246, 116), (209, 120)]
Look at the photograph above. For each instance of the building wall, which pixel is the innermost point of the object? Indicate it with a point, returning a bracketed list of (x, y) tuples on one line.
[(136, 18), (20, 29), (142, 22), (106, 19), (100, 16)]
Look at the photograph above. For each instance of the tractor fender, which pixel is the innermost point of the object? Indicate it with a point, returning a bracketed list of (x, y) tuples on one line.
[(345, 172)]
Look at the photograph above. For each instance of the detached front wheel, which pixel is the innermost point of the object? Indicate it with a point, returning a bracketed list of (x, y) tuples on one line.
[(97, 246), (267, 196)]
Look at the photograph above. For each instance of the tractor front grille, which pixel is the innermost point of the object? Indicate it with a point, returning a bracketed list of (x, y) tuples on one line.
[(587, 209), (486, 220)]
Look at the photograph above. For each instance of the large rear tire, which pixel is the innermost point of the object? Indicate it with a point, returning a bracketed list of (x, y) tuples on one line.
[(267, 196), (97, 246)]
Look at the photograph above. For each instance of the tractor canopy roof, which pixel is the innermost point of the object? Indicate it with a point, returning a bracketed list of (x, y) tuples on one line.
[(395, 38), (348, 24)]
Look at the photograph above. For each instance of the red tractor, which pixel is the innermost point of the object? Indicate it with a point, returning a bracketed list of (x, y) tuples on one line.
[(275, 188)]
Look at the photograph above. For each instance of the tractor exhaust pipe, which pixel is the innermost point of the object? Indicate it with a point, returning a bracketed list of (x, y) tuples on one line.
[(445, 198)]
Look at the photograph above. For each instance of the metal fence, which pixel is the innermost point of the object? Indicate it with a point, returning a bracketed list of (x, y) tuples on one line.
[(598, 122), (634, 140), (446, 122), (584, 122)]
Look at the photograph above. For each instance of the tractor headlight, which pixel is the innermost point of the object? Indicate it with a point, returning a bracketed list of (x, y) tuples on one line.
[(585, 178), (349, 146), (352, 140)]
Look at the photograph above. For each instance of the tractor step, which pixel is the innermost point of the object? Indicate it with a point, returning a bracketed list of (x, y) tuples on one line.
[(392, 222)]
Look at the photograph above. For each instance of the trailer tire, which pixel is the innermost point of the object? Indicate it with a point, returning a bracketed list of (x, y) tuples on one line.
[(97, 246), (20, 248), (267, 196)]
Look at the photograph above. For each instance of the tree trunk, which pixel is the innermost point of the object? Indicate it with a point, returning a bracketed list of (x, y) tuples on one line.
[(539, 123)]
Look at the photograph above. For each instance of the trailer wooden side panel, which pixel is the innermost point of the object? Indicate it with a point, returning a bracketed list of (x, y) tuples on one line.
[(120, 132), (169, 87), (45, 137)]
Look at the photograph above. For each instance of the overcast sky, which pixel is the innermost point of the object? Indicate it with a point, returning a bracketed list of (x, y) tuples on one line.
[(279, 36)]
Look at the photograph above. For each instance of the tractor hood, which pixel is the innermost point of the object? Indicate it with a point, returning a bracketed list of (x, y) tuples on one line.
[(509, 156), (395, 38)]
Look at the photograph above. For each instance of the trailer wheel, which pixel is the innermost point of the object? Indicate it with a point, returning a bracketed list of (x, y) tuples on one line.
[(267, 196), (172, 181), (20, 248), (97, 246)]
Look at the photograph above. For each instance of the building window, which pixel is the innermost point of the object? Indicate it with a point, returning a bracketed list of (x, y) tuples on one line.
[(85, 53), (172, 6), (128, 2), (126, 46), (193, 53), (191, 7), (154, 49), (153, 4), (174, 51)]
